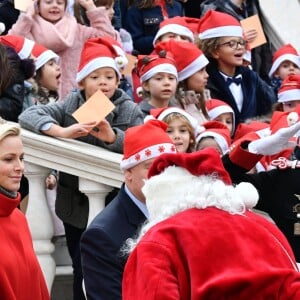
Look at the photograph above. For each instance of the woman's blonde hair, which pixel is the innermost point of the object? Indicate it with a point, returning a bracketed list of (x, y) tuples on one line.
[(8, 129)]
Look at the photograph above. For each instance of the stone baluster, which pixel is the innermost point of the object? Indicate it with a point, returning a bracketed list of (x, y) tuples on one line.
[(40, 220)]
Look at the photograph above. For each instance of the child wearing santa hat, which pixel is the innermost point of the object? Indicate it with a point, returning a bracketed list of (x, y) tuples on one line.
[(159, 77), (203, 241), (192, 76), (285, 62), (221, 40), (98, 70)]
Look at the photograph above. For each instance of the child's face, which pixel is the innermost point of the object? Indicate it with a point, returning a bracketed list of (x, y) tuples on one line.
[(162, 86), (110, 11), (290, 105), (209, 142), (286, 68), (226, 119), (104, 79), (50, 75), (178, 132), (174, 36), (230, 51), (197, 82), (52, 10)]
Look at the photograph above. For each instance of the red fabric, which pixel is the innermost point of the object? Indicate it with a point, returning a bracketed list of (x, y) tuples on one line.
[(21, 277), (211, 254), (162, 4)]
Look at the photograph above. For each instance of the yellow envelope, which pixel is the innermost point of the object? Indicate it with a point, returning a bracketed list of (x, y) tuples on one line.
[(253, 22), (22, 5), (131, 64), (96, 108)]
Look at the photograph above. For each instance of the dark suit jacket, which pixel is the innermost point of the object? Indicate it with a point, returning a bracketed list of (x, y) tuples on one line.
[(102, 262)]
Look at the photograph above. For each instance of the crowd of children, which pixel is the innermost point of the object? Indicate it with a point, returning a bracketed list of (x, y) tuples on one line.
[(190, 73)]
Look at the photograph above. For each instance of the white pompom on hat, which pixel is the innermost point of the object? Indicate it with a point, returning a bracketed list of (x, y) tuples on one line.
[(188, 57), (42, 55), (286, 52), (22, 45), (216, 24), (177, 25), (144, 142), (2, 27)]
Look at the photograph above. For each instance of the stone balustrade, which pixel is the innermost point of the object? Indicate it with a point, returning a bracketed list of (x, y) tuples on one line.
[(98, 171)]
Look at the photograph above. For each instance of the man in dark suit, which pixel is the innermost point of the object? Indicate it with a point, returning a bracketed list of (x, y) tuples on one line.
[(102, 260)]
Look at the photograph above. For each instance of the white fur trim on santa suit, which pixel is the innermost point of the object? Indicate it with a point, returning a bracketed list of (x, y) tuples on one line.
[(221, 32), (147, 153), (99, 62), (161, 68), (290, 95), (289, 57), (44, 58), (192, 68), (174, 28)]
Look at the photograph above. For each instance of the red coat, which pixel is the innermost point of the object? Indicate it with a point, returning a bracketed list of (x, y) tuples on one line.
[(21, 277), (211, 254)]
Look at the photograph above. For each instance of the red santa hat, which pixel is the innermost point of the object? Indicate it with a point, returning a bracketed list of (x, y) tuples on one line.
[(192, 23), (217, 24), (286, 52), (98, 53), (145, 141), (188, 64), (216, 107), (289, 89), (260, 128), (42, 55), (206, 162), (219, 132), (22, 45), (160, 62), (176, 25), (161, 113)]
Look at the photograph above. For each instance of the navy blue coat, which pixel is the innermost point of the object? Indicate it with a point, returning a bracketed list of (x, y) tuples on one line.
[(143, 24), (102, 262), (258, 95)]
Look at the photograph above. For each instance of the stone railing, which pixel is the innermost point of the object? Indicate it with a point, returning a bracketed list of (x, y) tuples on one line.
[(98, 171)]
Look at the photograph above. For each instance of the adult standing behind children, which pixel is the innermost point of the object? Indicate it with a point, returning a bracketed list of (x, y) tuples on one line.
[(221, 40), (98, 70), (102, 262), (20, 274), (48, 24)]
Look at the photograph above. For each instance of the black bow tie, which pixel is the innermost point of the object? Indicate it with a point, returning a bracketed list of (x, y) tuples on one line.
[(237, 80)]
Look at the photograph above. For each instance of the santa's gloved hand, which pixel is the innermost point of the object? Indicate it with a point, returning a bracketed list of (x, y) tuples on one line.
[(276, 142)]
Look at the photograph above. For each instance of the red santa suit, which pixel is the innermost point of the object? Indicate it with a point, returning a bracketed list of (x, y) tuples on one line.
[(203, 242), (21, 277)]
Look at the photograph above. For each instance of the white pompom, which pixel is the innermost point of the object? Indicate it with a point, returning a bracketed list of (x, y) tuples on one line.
[(292, 118), (248, 194), (2, 27)]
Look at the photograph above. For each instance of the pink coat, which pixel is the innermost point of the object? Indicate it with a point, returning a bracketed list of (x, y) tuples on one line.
[(208, 254), (65, 38)]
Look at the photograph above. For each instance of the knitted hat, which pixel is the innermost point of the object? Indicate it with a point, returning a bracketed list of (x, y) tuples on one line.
[(217, 24), (289, 89), (188, 57), (219, 132), (145, 141), (176, 25), (98, 53), (161, 113), (42, 55), (149, 65), (22, 46), (206, 162), (216, 107), (286, 52)]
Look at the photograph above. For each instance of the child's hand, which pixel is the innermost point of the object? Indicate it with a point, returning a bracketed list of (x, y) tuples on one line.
[(32, 9), (87, 4), (76, 130), (250, 35), (104, 132), (50, 182)]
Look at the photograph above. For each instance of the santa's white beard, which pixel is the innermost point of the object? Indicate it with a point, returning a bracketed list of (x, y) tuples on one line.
[(176, 190)]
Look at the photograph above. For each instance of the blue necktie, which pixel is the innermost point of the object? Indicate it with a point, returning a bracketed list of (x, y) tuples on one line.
[(237, 80)]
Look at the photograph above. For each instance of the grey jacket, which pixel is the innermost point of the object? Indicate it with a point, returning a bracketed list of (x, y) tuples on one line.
[(71, 204)]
